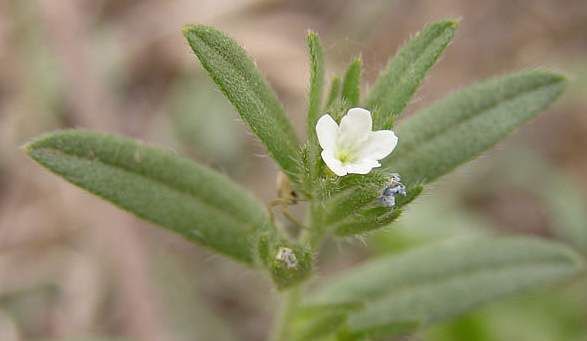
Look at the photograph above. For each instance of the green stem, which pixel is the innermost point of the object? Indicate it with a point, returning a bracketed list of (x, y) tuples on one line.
[(290, 302), (316, 231), (291, 299)]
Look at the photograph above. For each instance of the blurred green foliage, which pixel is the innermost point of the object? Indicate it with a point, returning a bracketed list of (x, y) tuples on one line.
[(206, 124), (552, 314)]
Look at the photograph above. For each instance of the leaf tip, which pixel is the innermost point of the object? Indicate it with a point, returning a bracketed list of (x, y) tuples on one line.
[(453, 23), (447, 24), (558, 77), (445, 28), (27, 148), (189, 29), (35, 143), (558, 80), (312, 38), (312, 34)]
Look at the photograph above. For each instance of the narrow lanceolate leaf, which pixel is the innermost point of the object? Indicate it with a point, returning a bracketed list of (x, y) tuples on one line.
[(158, 186), (351, 85), (317, 324), (439, 281), (457, 129), (314, 100), (395, 86), (351, 194), (238, 78), (316, 81), (353, 207), (334, 92), (373, 216), (366, 220), (329, 323)]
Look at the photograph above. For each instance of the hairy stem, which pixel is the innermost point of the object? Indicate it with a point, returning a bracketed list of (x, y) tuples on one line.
[(314, 235), (290, 301), (291, 298)]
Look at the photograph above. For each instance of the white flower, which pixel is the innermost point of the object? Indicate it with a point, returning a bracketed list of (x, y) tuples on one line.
[(352, 147)]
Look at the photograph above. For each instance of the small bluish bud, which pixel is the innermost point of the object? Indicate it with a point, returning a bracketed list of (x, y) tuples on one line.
[(387, 200), (392, 188)]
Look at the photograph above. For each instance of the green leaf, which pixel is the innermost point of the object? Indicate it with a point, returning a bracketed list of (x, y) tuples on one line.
[(351, 193), (330, 323), (458, 128), (314, 100), (317, 324), (338, 108), (351, 84), (373, 216), (436, 282), (354, 208), (238, 78), (158, 186), (395, 86), (316, 81), (382, 332), (334, 91), (366, 220)]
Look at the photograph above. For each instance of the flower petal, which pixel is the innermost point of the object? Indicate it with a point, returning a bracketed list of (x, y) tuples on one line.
[(379, 144), (326, 130), (333, 163), (355, 127), (362, 166)]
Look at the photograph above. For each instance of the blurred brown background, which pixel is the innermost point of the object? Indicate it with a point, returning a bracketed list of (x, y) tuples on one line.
[(74, 268)]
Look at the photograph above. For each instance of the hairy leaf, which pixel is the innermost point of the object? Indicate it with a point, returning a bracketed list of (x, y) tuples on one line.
[(314, 101), (351, 205), (373, 216), (395, 86), (346, 194), (316, 81), (439, 281), (238, 78), (456, 129), (334, 91), (317, 324), (338, 108), (158, 186), (366, 220), (329, 323), (351, 84)]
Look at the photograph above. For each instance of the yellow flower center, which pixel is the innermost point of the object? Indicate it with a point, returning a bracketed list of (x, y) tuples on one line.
[(345, 156)]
